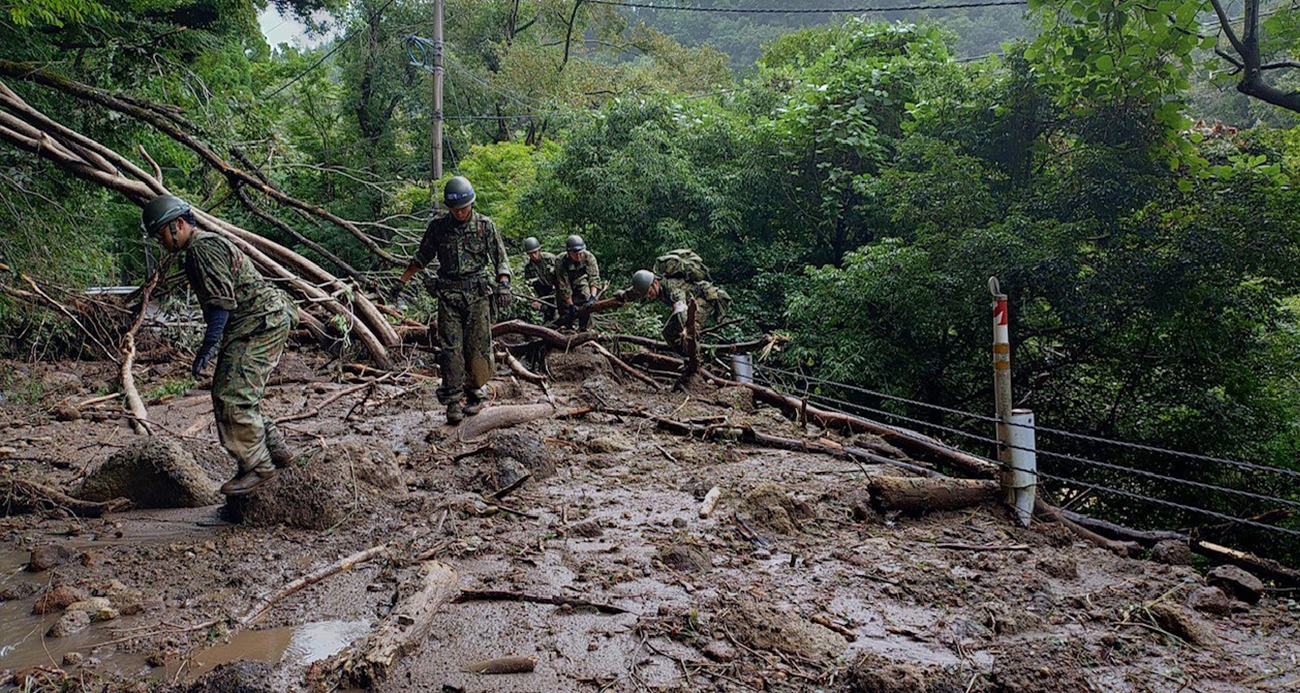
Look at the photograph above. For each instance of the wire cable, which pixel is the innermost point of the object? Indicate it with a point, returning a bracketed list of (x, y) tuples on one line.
[(323, 58), (808, 10), (830, 402), (1043, 429)]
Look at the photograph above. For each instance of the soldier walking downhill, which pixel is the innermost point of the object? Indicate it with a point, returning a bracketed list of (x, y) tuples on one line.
[(472, 271), (577, 280), (248, 322), (539, 272)]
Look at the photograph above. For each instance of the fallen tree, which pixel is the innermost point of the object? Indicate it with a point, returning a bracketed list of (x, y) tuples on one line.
[(30, 130)]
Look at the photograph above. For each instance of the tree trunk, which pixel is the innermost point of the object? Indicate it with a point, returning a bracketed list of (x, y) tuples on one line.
[(404, 631), (919, 495)]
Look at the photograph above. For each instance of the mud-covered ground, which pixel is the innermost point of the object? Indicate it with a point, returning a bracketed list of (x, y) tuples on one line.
[(793, 583)]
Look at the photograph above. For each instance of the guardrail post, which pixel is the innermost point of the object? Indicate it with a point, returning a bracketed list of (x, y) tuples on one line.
[(742, 368), (1012, 478), (1021, 483)]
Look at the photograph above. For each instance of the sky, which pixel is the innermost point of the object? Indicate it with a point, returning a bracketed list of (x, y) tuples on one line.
[(288, 30)]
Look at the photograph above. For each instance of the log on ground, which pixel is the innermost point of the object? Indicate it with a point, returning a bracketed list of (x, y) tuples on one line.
[(918, 495), (404, 631)]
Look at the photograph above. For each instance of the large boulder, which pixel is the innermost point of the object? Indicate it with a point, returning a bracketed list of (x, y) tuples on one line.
[(320, 490), (154, 472)]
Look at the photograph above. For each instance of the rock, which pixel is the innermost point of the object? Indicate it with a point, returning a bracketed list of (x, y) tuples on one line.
[(318, 493), (66, 412), (1210, 600), (240, 676), (736, 397), (1172, 552), (127, 600), (771, 506), (106, 614), (529, 449), (588, 529), (90, 606), (1002, 618), (155, 472), (49, 556), (765, 627), (1237, 583), (720, 651), (57, 599), (506, 471), (687, 558), (70, 622), (762, 555), (614, 442), (1059, 566), (72, 659), (859, 502), (1177, 621)]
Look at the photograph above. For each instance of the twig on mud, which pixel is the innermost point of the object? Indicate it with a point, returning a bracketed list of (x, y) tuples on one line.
[(506, 596), (512, 487), (983, 547), (316, 410), (336, 567)]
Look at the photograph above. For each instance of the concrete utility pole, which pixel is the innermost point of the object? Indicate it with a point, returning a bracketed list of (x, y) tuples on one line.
[(436, 135)]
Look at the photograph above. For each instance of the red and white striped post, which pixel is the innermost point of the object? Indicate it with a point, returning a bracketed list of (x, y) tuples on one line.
[(1016, 444)]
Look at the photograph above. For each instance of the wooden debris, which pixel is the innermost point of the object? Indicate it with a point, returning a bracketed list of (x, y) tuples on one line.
[(710, 502), (334, 568), (506, 596), (492, 418), (917, 495), (17, 495), (404, 631)]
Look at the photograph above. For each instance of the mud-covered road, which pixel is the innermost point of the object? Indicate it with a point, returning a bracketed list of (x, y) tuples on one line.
[(793, 583)]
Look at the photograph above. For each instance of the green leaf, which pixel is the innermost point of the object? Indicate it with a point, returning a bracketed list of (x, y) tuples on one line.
[(1104, 64)]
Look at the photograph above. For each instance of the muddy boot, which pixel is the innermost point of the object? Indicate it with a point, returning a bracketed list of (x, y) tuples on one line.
[(281, 457), (473, 407), (455, 413), (246, 482)]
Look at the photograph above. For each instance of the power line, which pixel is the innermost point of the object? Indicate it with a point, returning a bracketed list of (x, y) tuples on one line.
[(325, 57), (1044, 429), (809, 10), (1095, 487)]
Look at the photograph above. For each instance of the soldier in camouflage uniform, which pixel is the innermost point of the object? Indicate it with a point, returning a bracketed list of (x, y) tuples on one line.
[(539, 272), (679, 293), (248, 322), (472, 271), (577, 281)]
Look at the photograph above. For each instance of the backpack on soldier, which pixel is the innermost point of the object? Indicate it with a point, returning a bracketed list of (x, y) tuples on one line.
[(682, 263)]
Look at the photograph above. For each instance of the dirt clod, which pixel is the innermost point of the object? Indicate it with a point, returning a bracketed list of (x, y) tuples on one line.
[(771, 506), (49, 556), (318, 493), (1059, 566), (875, 674), (1210, 600), (157, 472), (1237, 583), (765, 627), (1037, 667), (241, 676), (1179, 622), (738, 398), (57, 599), (686, 558), (529, 449), (575, 366), (1172, 552), (589, 529)]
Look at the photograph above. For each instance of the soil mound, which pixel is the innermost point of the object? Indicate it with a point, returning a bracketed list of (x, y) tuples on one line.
[(575, 366), (155, 472), (765, 627), (240, 676), (1037, 667), (772, 507), (528, 449), (319, 491)]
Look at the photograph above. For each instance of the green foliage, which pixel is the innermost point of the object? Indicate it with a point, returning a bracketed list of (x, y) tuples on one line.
[(57, 13), (501, 172)]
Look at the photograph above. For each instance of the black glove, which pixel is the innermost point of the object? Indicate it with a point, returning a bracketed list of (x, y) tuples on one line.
[(588, 303), (571, 311), (216, 319), (504, 296)]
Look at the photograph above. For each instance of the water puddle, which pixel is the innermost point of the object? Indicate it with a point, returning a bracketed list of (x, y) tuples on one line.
[(293, 645)]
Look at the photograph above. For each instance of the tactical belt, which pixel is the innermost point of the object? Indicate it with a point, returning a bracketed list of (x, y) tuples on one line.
[(470, 284)]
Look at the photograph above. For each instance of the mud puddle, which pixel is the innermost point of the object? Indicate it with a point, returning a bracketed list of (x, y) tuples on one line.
[(292, 645), (23, 643)]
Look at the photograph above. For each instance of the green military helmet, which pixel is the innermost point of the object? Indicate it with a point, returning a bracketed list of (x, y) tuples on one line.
[(531, 243), (161, 211), (642, 280), (575, 244), (458, 193)]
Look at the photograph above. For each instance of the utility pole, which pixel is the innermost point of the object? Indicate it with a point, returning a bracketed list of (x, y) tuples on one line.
[(1017, 449), (436, 135)]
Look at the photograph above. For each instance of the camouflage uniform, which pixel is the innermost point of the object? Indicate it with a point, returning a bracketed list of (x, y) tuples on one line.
[(576, 279), (710, 304), (260, 319), (540, 275), (463, 255)]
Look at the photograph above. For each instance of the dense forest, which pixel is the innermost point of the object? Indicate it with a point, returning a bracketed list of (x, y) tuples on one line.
[(1127, 170)]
